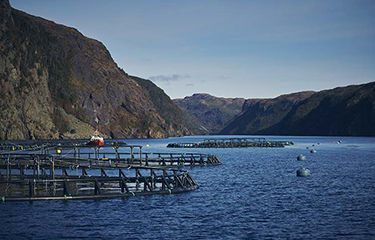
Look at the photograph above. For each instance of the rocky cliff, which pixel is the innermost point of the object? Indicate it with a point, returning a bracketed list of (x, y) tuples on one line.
[(169, 111), (209, 114), (341, 111), (55, 82)]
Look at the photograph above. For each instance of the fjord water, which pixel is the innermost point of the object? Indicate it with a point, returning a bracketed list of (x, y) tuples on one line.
[(255, 194)]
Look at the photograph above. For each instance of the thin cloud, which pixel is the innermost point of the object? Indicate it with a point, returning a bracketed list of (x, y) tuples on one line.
[(223, 77), (168, 78)]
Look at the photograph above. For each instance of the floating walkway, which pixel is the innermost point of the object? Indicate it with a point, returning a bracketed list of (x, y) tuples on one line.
[(114, 155), (7, 146), (232, 143), (62, 172), (49, 179)]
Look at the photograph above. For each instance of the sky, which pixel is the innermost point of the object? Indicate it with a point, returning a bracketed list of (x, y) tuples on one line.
[(232, 48)]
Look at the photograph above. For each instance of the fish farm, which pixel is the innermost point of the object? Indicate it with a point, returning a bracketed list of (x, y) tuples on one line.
[(75, 171), (232, 143)]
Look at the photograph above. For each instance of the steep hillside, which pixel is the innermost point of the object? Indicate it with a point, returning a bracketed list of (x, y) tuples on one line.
[(340, 111), (165, 107), (55, 82), (259, 114), (345, 111), (211, 113)]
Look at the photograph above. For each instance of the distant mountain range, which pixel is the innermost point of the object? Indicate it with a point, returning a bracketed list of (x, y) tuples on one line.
[(346, 111), (207, 114), (56, 83), (258, 114)]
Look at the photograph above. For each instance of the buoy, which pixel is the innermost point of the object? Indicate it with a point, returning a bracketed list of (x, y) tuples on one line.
[(58, 151), (301, 157), (303, 172), (147, 145), (313, 151)]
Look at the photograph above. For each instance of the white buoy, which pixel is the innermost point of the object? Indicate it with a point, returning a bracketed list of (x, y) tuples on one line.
[(301, 157), (313, 151), (303, 172)]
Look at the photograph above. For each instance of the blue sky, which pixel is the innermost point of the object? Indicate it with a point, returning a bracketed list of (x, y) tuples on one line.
[(251, 49)]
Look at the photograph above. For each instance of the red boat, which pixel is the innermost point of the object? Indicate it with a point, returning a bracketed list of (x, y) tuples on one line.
[(96, 140)]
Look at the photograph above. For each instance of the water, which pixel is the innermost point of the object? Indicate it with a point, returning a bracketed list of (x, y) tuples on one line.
[(255, 194)]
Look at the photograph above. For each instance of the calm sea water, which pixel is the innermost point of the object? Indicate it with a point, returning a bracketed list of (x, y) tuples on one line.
[(255, 194)]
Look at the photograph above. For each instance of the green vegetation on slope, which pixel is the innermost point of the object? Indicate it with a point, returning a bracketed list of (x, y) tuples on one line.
[(55, 82), (163, 104)]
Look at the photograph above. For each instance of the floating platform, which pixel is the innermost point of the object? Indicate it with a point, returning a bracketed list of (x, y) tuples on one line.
[(65, 171), (113, 155), (46, 177), (232, 143), (49, 180), (7, 146)]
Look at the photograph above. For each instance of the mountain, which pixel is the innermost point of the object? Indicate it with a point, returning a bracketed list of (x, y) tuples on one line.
[(259, 114), (209, 112), (343, 111), (56, 83), (167, 109)]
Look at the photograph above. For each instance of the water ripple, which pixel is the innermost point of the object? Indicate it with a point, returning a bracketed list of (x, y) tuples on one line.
[(253, 195)]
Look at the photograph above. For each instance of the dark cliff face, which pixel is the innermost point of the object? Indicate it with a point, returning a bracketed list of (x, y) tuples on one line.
[(208, 114), (340, 111), (55, 82), (259, 114), (345, 111)]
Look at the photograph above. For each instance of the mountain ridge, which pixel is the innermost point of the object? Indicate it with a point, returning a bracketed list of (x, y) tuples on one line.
[(55, 83), (208, 114), (348, 110)]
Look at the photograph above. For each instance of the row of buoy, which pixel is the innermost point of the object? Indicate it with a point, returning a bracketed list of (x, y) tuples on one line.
[(304, 172)]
